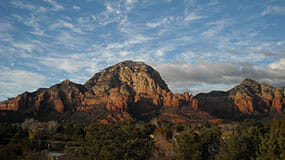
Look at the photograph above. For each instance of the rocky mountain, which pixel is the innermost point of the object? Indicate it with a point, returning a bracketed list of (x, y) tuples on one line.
[(134, 89), (247, 98), (127, 89)]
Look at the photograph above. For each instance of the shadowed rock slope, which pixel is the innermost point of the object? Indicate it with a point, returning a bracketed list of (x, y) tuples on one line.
[(127, 89), (247, 98)]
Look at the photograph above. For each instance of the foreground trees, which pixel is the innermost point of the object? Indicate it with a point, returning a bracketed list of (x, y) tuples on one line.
[(243, 143), (272, 144), (136, 140), (198, 144), (255, 140), (123, 140)]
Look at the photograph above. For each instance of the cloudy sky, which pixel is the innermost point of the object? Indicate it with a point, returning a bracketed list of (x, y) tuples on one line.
[(196, 45)]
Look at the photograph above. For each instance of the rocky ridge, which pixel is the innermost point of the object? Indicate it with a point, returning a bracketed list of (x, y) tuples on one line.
[(124, 90), (134, 89), (247, 98)]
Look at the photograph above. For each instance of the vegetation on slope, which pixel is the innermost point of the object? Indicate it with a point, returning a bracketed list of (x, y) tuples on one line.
[(130, 139)]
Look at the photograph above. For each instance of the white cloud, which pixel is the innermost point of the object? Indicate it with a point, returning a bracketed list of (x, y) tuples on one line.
[(215, 28), (124, 53), (159, 53), (6, 37), (55, 5), (161, 22), (26, 6), (213, 3), (64, 24), (86, 24), (212, 31), (42, 9), (281, 43), (25, 46), (192, 17), (70, 63), (13, 82), (32, 22), (69, 40), (130, 1), (76, 7), (279, 65), (136, 39), (115, 13), (187, 76), (273, 10), (129, 4), (21, 5)]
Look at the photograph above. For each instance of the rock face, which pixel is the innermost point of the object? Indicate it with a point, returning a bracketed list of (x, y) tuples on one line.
[(249, 97), (59, 98), (134, 89), (125, 89)]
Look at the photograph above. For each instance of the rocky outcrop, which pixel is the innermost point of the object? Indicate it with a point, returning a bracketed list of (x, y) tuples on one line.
[(134, 89), (125, 89), (249, 97), (58, 98), (126, 83)]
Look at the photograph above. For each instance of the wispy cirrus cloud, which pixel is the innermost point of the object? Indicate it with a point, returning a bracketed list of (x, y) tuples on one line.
[(113, 13), (28, 6), (193, 16), (55, 5), (20, 4), (273, 10), (33, 22), (163, 21), (192, 12), (137, 39), (215, 28), (70, 63), (64, 24), (70, 40), (25, 46)]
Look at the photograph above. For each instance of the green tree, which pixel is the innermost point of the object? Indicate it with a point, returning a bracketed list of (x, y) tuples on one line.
[(272, 146), (244, 142), (123, 140), (189, 146), (198, 144)]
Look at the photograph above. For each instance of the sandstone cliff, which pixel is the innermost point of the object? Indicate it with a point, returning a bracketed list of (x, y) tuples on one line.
[(249, 97), (124, 90), (134, 89), (59, 98)]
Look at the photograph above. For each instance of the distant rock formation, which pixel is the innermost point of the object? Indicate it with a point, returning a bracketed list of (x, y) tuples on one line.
[(249, 97), (60, 97)]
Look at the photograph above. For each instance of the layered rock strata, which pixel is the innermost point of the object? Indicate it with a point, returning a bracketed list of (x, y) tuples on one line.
[(125, 89), (249, 97)]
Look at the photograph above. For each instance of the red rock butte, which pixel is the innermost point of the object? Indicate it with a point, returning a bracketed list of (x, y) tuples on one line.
[(134, 89)]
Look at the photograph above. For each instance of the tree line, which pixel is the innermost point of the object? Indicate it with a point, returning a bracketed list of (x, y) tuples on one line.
[(130, 139)]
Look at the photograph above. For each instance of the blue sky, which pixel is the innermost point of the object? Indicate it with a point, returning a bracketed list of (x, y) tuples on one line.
[(195, 45)]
